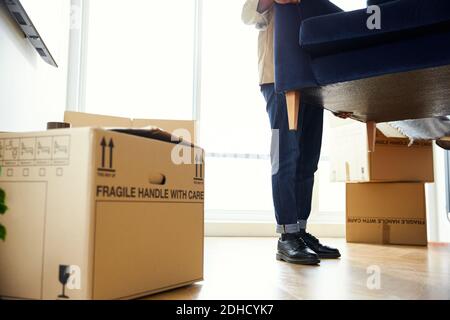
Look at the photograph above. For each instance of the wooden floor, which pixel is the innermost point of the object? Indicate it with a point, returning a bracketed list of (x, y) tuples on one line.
[(245, 268)]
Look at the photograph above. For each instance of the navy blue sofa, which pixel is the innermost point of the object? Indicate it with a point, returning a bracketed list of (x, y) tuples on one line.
[(330, 58)]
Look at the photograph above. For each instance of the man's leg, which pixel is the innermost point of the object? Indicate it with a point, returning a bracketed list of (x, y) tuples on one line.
[(285, 157), (310, 145)]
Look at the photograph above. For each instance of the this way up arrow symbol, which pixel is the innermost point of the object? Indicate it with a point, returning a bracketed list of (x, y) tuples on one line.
[(111, 148), (103, 144)]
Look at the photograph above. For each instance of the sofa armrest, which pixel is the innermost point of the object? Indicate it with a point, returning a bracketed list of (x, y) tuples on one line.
[(292, 63)]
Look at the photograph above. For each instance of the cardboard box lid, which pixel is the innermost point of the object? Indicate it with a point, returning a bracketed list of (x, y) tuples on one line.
[(80, 119), (181, 128)]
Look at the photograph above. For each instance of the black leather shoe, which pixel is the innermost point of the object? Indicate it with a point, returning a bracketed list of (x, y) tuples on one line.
[(322, 251), (296, 251)]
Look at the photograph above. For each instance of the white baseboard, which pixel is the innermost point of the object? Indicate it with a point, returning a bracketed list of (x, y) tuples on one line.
[(265, 229)]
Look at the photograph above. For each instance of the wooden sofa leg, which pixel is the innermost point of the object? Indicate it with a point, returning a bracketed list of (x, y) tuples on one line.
[(293, 108), (371, 135)]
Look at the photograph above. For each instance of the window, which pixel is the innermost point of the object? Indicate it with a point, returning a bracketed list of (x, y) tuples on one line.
[(234, 126), (141, 63), (140, 58)]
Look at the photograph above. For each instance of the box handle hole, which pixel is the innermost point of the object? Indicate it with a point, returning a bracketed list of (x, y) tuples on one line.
[(157, 179)]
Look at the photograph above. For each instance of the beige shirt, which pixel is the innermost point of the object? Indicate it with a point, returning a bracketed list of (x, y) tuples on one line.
[(264, 23)]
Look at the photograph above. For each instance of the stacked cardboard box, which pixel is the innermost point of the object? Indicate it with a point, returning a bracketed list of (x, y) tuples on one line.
[(385, 188)]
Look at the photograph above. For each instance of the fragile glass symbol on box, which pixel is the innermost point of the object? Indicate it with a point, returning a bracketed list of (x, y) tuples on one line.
[(11, 149)]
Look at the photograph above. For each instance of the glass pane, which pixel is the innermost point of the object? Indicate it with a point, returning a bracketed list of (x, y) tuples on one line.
[(238, 185), (140, 62), (233, 110), (234, 121), (331, 195)]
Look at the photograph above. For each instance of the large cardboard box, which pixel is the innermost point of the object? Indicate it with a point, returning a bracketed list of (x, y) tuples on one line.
[(386, 213), (114, 215), (393, 159), (180, 128)]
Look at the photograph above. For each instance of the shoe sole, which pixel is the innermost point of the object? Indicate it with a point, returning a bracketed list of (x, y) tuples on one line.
[(329, 256), (281, 257)]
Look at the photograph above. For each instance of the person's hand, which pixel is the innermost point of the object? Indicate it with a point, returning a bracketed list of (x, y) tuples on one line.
[(264, 5), (343, 115), (287, 1)]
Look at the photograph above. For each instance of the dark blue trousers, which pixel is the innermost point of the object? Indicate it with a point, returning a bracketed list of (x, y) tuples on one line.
[(295, 156)]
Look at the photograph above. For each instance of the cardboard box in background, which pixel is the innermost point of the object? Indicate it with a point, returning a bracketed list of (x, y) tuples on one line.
[(393, 160), (386, 213), (111, 209), (178, 128)]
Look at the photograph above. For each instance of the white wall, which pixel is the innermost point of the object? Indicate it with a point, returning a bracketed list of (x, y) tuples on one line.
[(439, 225), (32, 92)]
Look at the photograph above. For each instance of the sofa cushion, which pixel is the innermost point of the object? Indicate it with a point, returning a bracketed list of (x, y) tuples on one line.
[(421, 52), (348, 30)]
